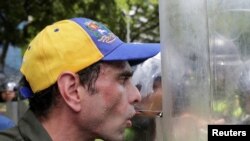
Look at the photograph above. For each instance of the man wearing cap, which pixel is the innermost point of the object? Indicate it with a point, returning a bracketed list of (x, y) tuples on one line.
[(77, 76)]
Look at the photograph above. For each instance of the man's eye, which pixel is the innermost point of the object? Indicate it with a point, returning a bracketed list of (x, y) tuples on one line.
[(124, 79)]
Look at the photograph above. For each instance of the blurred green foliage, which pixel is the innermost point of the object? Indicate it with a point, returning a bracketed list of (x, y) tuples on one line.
[(21, 20)]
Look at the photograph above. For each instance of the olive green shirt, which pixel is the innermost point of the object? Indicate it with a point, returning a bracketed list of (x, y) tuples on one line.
[(27, 129)]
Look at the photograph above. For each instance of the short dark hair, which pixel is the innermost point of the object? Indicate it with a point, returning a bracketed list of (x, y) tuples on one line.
[(41, 102)]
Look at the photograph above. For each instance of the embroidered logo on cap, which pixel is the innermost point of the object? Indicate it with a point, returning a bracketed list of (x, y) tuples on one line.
[(100, 32)]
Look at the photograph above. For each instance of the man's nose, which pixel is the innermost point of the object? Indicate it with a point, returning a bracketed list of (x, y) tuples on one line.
[(135, 96)]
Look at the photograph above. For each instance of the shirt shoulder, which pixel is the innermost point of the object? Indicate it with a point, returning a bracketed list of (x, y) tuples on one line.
[(11, 134)]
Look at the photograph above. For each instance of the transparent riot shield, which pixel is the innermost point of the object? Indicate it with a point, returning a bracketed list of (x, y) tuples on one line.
[(205, 52)]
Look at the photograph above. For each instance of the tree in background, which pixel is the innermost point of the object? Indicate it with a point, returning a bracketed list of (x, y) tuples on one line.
[(20, 21)]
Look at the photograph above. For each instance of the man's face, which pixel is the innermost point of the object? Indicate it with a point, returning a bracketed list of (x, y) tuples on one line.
[(8, 95), (151, 104), (110, 109)]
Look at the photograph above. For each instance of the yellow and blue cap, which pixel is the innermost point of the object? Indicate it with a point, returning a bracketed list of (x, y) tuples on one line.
[(74, 44)]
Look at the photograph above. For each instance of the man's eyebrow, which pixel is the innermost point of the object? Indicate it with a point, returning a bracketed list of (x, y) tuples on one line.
[(126, 73)]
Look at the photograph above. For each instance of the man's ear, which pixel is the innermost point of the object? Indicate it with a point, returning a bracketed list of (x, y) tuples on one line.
[(68, 84)]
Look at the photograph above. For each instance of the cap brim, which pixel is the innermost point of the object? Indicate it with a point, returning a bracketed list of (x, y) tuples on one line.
[(135, 53)]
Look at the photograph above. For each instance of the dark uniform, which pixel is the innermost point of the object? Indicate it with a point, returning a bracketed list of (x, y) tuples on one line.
[(27, 129)]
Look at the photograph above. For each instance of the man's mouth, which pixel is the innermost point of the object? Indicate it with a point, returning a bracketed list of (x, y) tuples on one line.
[(129, 123)]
